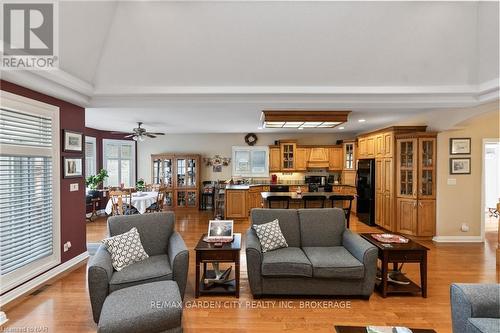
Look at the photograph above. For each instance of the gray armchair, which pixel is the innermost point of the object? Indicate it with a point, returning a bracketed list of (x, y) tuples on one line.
[(168, 258), (475, 308)]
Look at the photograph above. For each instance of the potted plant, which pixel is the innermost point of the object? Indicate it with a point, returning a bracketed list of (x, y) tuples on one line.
[(93, 182), (140, 185)]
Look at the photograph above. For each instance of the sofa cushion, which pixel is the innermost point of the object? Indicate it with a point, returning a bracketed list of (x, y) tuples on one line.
[(270, 236), (153, 307), (290, 261), (288, 220), (321, 227), (334, 262), (125, 249), (483, 325), (152, 268)]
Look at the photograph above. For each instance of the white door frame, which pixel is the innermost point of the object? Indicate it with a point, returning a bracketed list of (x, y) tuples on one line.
[(483, 179)]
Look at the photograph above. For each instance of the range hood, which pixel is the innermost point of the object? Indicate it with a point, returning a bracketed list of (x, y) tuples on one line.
[(318, 159)]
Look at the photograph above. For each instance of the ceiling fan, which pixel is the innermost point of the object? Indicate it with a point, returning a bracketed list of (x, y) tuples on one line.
[(139, 133)]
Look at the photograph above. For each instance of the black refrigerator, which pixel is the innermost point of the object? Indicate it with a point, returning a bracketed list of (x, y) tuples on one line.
[(365, 189)]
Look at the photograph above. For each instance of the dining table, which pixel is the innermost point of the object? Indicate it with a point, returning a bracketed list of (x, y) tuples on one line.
[(140, 201)]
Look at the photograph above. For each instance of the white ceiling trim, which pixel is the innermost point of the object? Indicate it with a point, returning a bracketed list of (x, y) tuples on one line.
[(55, 83)]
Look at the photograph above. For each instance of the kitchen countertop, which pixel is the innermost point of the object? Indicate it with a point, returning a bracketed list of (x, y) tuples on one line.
[(247, 186), (295, 196)]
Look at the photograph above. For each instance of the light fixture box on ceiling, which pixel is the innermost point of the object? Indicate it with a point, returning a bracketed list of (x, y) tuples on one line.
[(303, 119)]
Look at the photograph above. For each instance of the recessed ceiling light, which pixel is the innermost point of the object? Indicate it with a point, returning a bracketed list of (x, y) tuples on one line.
[(341, 127), (260, 127), (361, 120)]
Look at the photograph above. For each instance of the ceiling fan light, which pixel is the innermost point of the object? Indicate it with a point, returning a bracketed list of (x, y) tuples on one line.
[(141, 138), (134, 138)]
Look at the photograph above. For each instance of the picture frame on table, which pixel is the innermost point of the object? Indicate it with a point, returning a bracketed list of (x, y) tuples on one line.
[(460, 146), (460, 166), (73, 141), (72, 167)]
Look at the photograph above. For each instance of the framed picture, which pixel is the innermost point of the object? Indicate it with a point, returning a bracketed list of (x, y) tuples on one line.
[(73, 141), (460, 146), (460, 166), (72, 167)]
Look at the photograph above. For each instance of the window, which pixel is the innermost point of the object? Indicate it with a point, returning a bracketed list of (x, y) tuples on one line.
[(29, 189), (90, 156), (119, 161), (251, 161)]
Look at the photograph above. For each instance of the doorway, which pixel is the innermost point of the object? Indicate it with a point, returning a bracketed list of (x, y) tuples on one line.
[(491, 190)]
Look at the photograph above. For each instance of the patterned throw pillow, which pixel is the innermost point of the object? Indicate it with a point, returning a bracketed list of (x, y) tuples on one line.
[(125, 249), (270, 236)]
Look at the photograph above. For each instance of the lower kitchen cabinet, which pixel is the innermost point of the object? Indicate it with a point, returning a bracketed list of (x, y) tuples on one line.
[(236, 204), (407, 216), (426, 217)]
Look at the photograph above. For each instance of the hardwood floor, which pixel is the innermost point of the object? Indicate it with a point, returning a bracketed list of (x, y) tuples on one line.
[(63, 306)]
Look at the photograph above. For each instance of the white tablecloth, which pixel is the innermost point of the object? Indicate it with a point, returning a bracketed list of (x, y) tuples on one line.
[(140, 201)]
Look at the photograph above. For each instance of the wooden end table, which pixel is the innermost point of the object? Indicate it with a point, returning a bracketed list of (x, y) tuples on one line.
[(208, 253), (411, 252)]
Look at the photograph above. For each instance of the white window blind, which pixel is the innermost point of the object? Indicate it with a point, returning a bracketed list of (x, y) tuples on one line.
[(119, 161), (90, 156), (29, 189)]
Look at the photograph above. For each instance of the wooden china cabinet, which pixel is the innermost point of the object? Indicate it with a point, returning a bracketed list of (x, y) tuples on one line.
[(181, 175), (416, 183)]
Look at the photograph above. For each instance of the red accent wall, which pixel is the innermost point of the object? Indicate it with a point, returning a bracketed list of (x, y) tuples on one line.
[(72, 117)]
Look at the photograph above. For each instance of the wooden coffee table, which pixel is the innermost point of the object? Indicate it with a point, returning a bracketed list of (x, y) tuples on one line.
[(362, 329), (208, 253), (411, 252)]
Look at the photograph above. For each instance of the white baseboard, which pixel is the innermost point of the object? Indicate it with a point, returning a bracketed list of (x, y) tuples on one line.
[(39, 280), (458, 239)]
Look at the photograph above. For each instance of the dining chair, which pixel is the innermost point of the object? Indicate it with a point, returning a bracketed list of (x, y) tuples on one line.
[(345, 202), (308, 199), (121, 202), (282, 200), (160, 200)]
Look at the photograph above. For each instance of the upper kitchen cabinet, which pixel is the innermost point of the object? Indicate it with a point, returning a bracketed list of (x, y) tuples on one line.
[(335, 158), (301, 160), (288, 155), (274, 158)]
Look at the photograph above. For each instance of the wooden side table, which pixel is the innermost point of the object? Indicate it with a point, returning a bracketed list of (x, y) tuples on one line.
[(208, 253), (411, 252)]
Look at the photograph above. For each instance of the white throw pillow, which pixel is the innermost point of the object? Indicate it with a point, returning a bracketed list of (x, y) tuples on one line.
[(270, 236), (125, 249)]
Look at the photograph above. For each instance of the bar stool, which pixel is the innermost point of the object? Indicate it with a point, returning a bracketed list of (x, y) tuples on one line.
[(280, 199), (342, 199), (314, 198)]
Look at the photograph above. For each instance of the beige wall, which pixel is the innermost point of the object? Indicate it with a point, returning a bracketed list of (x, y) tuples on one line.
[(210, 144), (461, 203)]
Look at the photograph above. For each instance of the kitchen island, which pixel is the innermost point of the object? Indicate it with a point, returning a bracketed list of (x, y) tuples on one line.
[(240, 199)]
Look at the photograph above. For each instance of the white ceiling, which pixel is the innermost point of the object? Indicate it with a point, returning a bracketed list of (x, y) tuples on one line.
[(210, 66)]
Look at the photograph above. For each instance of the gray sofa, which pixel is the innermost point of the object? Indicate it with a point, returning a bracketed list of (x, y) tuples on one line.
[(323, 257), (475, 308), (168, 258)]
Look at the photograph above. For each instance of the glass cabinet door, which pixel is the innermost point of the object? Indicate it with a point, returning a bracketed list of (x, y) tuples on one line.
[(407, 167), (427, 167), (349, 156), (181, 172), (156, 171), (191, 200), (169, 200), (288, 152), (167, 172), (180, 200), (191, 172)]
